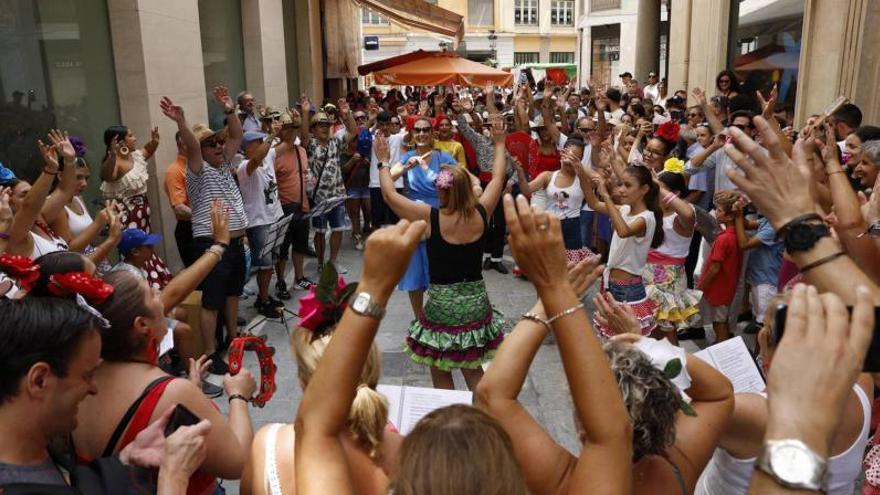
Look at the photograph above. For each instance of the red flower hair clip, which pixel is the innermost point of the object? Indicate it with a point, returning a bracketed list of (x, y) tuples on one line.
[(668, 131), (21, 268), (325, 302), (92, 289)]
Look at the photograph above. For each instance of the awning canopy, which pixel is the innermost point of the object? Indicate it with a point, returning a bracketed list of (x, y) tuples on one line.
[(419, 14), (442, 68), (392, 61)]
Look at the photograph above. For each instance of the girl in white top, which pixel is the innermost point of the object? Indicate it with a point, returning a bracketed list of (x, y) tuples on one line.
[(564, 190), (677, 307), (75, 225), (635, 232), (732, 465)]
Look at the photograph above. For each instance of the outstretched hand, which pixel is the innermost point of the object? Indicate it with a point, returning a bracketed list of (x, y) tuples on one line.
[(778, 185), (619, 317), (221, 95), (388, 251), (536, 242), (61, 141), (807, 402), (172, 111)]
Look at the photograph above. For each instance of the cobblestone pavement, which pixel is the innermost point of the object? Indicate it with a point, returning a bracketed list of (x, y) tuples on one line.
[(545, 393)]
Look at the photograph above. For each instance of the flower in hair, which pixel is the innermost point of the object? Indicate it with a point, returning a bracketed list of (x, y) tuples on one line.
[(21, 268), (673, 165), (670, 360), (668, 131), (444, 179), (323, 306), (92, 289)]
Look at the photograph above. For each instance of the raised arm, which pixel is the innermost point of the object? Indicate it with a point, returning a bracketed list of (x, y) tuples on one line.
[(193, 147), (320, 460), (103, 250), (254, 163), (547, 114), (305, 129), (348, 120), (399, 204), (109, 167), (686, 216), (546, 465), (153, 144), (492, 193), (590, 195), (714, 123), (19, 241), (536, 243), (6, 216), (186, 281), (66, 188), (234, 132)]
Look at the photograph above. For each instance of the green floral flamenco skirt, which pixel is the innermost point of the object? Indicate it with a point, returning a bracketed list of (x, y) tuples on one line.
[(460, 328)]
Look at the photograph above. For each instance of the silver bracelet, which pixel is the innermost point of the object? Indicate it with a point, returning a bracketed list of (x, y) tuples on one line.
[(218, 250)]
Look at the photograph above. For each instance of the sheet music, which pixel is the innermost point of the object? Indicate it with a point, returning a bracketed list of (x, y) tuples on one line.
[(733, 360), (408, 405)]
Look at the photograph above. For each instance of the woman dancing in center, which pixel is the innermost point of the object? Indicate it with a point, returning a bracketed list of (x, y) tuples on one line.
[(459, 328)]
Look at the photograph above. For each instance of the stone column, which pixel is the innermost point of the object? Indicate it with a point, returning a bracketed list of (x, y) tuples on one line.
[(157, 50), (647, 40), (679, 45), (309, 51), (262, 29), (838, 57), (708, 43)]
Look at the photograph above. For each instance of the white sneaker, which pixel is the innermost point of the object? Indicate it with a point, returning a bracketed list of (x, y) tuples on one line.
[(341, 270)]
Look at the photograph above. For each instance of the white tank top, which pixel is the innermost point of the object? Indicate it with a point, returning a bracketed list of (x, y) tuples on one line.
[(44, 246), (565, 202), (727, 475), (75, 222), (270, 462), (674, 244)]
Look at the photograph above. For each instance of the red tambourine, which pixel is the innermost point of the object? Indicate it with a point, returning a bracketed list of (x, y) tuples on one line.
[(267, 365)]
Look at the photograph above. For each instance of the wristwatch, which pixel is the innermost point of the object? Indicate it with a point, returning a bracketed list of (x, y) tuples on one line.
[(803, 236), (380, 165), (362, 304), (792, 464)]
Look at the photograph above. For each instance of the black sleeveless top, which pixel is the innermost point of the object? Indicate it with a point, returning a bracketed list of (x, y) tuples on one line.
[(453, 263)]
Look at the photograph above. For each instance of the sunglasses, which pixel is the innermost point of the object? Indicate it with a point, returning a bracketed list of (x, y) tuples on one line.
[(586, 129), (421, 130), (694, 115), (214, 143), (360, 117)]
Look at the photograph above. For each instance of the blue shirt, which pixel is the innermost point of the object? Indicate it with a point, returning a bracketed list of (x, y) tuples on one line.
[(766, 259), (420, 182)]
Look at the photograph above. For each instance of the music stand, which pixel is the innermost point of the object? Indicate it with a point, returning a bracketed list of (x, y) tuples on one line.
[(274, 239)]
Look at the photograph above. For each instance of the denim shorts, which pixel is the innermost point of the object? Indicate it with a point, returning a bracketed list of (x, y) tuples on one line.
[(627, 291), (257, 237), (358, 192), (335, 218)]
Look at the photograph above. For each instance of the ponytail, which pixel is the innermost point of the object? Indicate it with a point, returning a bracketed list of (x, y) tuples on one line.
[(367, 419)]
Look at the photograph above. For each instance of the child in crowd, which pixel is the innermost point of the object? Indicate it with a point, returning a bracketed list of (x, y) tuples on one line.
[(765, 261), (721, 270), (636, 231)]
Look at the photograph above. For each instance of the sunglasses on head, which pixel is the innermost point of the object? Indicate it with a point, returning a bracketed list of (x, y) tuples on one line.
[(421, 130)]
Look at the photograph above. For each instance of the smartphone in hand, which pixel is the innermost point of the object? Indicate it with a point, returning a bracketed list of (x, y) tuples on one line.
[(180, 417)]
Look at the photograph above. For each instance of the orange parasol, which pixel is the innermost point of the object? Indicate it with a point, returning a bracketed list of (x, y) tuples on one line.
[(442, 68)]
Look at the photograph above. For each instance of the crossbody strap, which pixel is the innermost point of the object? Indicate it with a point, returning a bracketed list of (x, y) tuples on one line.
[(132, 410), (302, 182)]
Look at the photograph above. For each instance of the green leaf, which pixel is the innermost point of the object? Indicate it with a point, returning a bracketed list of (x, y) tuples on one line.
[(346, 293), (672, 368), (327, 284), (687, 409)]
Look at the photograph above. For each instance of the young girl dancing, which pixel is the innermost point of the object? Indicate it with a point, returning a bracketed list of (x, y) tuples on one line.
[(665, 279), (635, 232)]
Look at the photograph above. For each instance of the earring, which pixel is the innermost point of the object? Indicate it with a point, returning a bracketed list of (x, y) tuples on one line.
[(123, 150)]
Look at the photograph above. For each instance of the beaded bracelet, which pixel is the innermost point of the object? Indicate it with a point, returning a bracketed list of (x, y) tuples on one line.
[(549, 321)]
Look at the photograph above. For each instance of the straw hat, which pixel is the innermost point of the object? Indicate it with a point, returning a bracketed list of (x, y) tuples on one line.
[(204, 132), (321, 118)]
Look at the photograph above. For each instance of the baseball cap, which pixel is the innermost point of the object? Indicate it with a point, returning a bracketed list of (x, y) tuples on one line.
[(135, 238), (251, 136)]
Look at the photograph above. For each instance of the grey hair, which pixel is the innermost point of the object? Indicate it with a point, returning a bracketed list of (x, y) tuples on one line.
[(688, 135), (241, 95), (871, 151), (651, 399)]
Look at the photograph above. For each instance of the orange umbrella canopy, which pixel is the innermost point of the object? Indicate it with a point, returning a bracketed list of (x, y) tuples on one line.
[(442, 69)]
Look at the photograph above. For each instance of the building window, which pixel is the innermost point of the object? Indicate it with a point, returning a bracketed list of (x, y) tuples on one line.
[(222, 51), (520, 58), (561, 57), (597, 5), (562, 12), (481, 12), (525, 12), (56, 71), (368, 17)]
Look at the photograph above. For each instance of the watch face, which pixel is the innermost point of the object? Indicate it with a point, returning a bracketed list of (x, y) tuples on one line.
[(792, 464), (361, 303), (801, 236)]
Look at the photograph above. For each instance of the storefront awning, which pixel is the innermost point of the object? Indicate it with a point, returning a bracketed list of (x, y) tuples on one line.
[(419, 14)]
